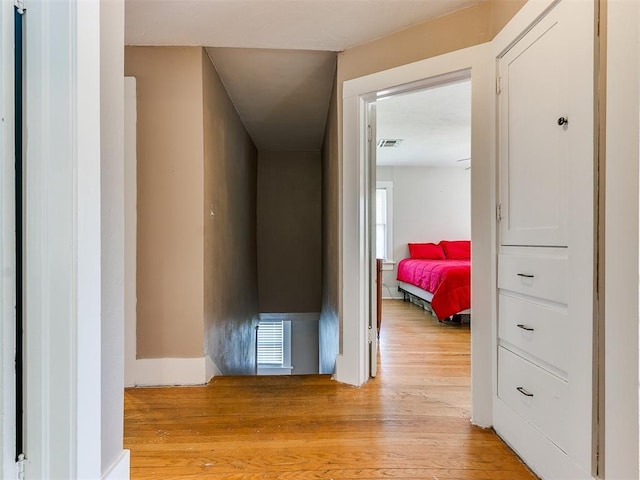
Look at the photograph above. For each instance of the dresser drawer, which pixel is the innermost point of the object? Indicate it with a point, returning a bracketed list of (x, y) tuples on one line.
[(535, 394), (535, 275), (537, 329)]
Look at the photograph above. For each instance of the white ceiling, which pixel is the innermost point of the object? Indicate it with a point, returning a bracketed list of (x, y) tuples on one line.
[(434, 125), (333, 25), (262, 50)]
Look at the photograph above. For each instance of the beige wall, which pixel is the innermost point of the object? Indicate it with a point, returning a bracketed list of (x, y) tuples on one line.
[(289, 231), (170, 200), (468, 27), (328, 325), (196, 181), (230, 259)]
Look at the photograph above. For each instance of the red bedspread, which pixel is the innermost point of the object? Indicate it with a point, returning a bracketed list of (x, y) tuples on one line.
[(448, 280)]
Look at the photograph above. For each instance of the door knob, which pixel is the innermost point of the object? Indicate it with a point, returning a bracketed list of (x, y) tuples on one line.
[(563, 121)]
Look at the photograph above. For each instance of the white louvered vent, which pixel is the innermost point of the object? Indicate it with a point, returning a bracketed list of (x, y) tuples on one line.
[(271, 342), (389, 142)]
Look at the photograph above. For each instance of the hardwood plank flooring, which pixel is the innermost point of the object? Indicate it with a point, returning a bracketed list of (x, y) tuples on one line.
[(411, 422)]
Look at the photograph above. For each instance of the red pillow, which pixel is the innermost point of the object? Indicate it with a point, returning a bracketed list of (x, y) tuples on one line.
[(457, 250), (429, 251)]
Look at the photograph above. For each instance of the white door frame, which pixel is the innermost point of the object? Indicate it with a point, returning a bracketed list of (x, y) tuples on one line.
[(370, 238), (351, 363), (621, 241), (62, 252), (7, 246), (130, 231)]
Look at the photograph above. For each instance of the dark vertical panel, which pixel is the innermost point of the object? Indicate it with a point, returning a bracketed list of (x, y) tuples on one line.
[(19, 253)]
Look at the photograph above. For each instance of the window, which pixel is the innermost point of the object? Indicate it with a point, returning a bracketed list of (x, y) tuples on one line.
[(384, 221)]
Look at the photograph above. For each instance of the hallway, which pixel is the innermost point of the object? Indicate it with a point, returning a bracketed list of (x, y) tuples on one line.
[(411, 422)]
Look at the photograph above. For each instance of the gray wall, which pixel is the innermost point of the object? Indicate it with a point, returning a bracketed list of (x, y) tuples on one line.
[(304, 346), (329, 324), (230, 240), (289, 232)]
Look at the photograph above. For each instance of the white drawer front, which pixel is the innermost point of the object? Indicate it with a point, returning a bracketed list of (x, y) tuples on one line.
[(537, 329), (535, 275), (535, 394)]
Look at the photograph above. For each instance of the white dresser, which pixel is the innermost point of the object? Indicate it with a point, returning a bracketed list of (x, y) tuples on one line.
[(544, 395)]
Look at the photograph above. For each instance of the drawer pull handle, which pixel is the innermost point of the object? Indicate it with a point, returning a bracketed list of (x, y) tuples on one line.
[(525, 275), (523, 391), (525, 327)]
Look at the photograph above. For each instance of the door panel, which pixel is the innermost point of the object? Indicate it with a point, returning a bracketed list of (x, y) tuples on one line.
[(535, 80)]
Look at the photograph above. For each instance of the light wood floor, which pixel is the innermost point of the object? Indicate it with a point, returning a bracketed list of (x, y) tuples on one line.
[(411, 422)]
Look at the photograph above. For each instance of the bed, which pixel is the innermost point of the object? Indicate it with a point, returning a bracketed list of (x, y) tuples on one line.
[(439, 274)]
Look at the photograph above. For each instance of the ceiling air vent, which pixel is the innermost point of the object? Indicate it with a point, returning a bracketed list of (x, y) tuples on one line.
[(389, 142)]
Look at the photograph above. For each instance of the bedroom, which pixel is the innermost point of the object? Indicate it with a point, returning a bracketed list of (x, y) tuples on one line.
[(423, 189)]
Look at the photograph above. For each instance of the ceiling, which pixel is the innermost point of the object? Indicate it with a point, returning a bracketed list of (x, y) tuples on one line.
[(434, 126), (332, 25), (282, 96), (275, 56)]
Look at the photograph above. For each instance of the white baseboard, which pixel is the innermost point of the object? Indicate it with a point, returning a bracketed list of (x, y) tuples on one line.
[(120, 468), (274, 370), (211, 369), (291, 316), (536, 451), (172, 371)]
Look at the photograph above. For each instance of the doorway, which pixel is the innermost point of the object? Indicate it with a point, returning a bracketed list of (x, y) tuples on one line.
[(465, 64), (420, 154), (422, 184)]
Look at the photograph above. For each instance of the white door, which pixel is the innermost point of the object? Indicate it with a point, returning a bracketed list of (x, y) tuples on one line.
[(371, 239), (545, 266), (541, 114)]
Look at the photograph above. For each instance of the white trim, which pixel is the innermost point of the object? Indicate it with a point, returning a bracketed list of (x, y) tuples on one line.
[(267, 370), (120, 469), (210, 368), (543, 457), (63, 271), (130, 230), (388, 186), (520, 24), (173, 371), (112, 180), (621, 232), (7, 247), (303, 316), (351, 364), (87, 169)]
